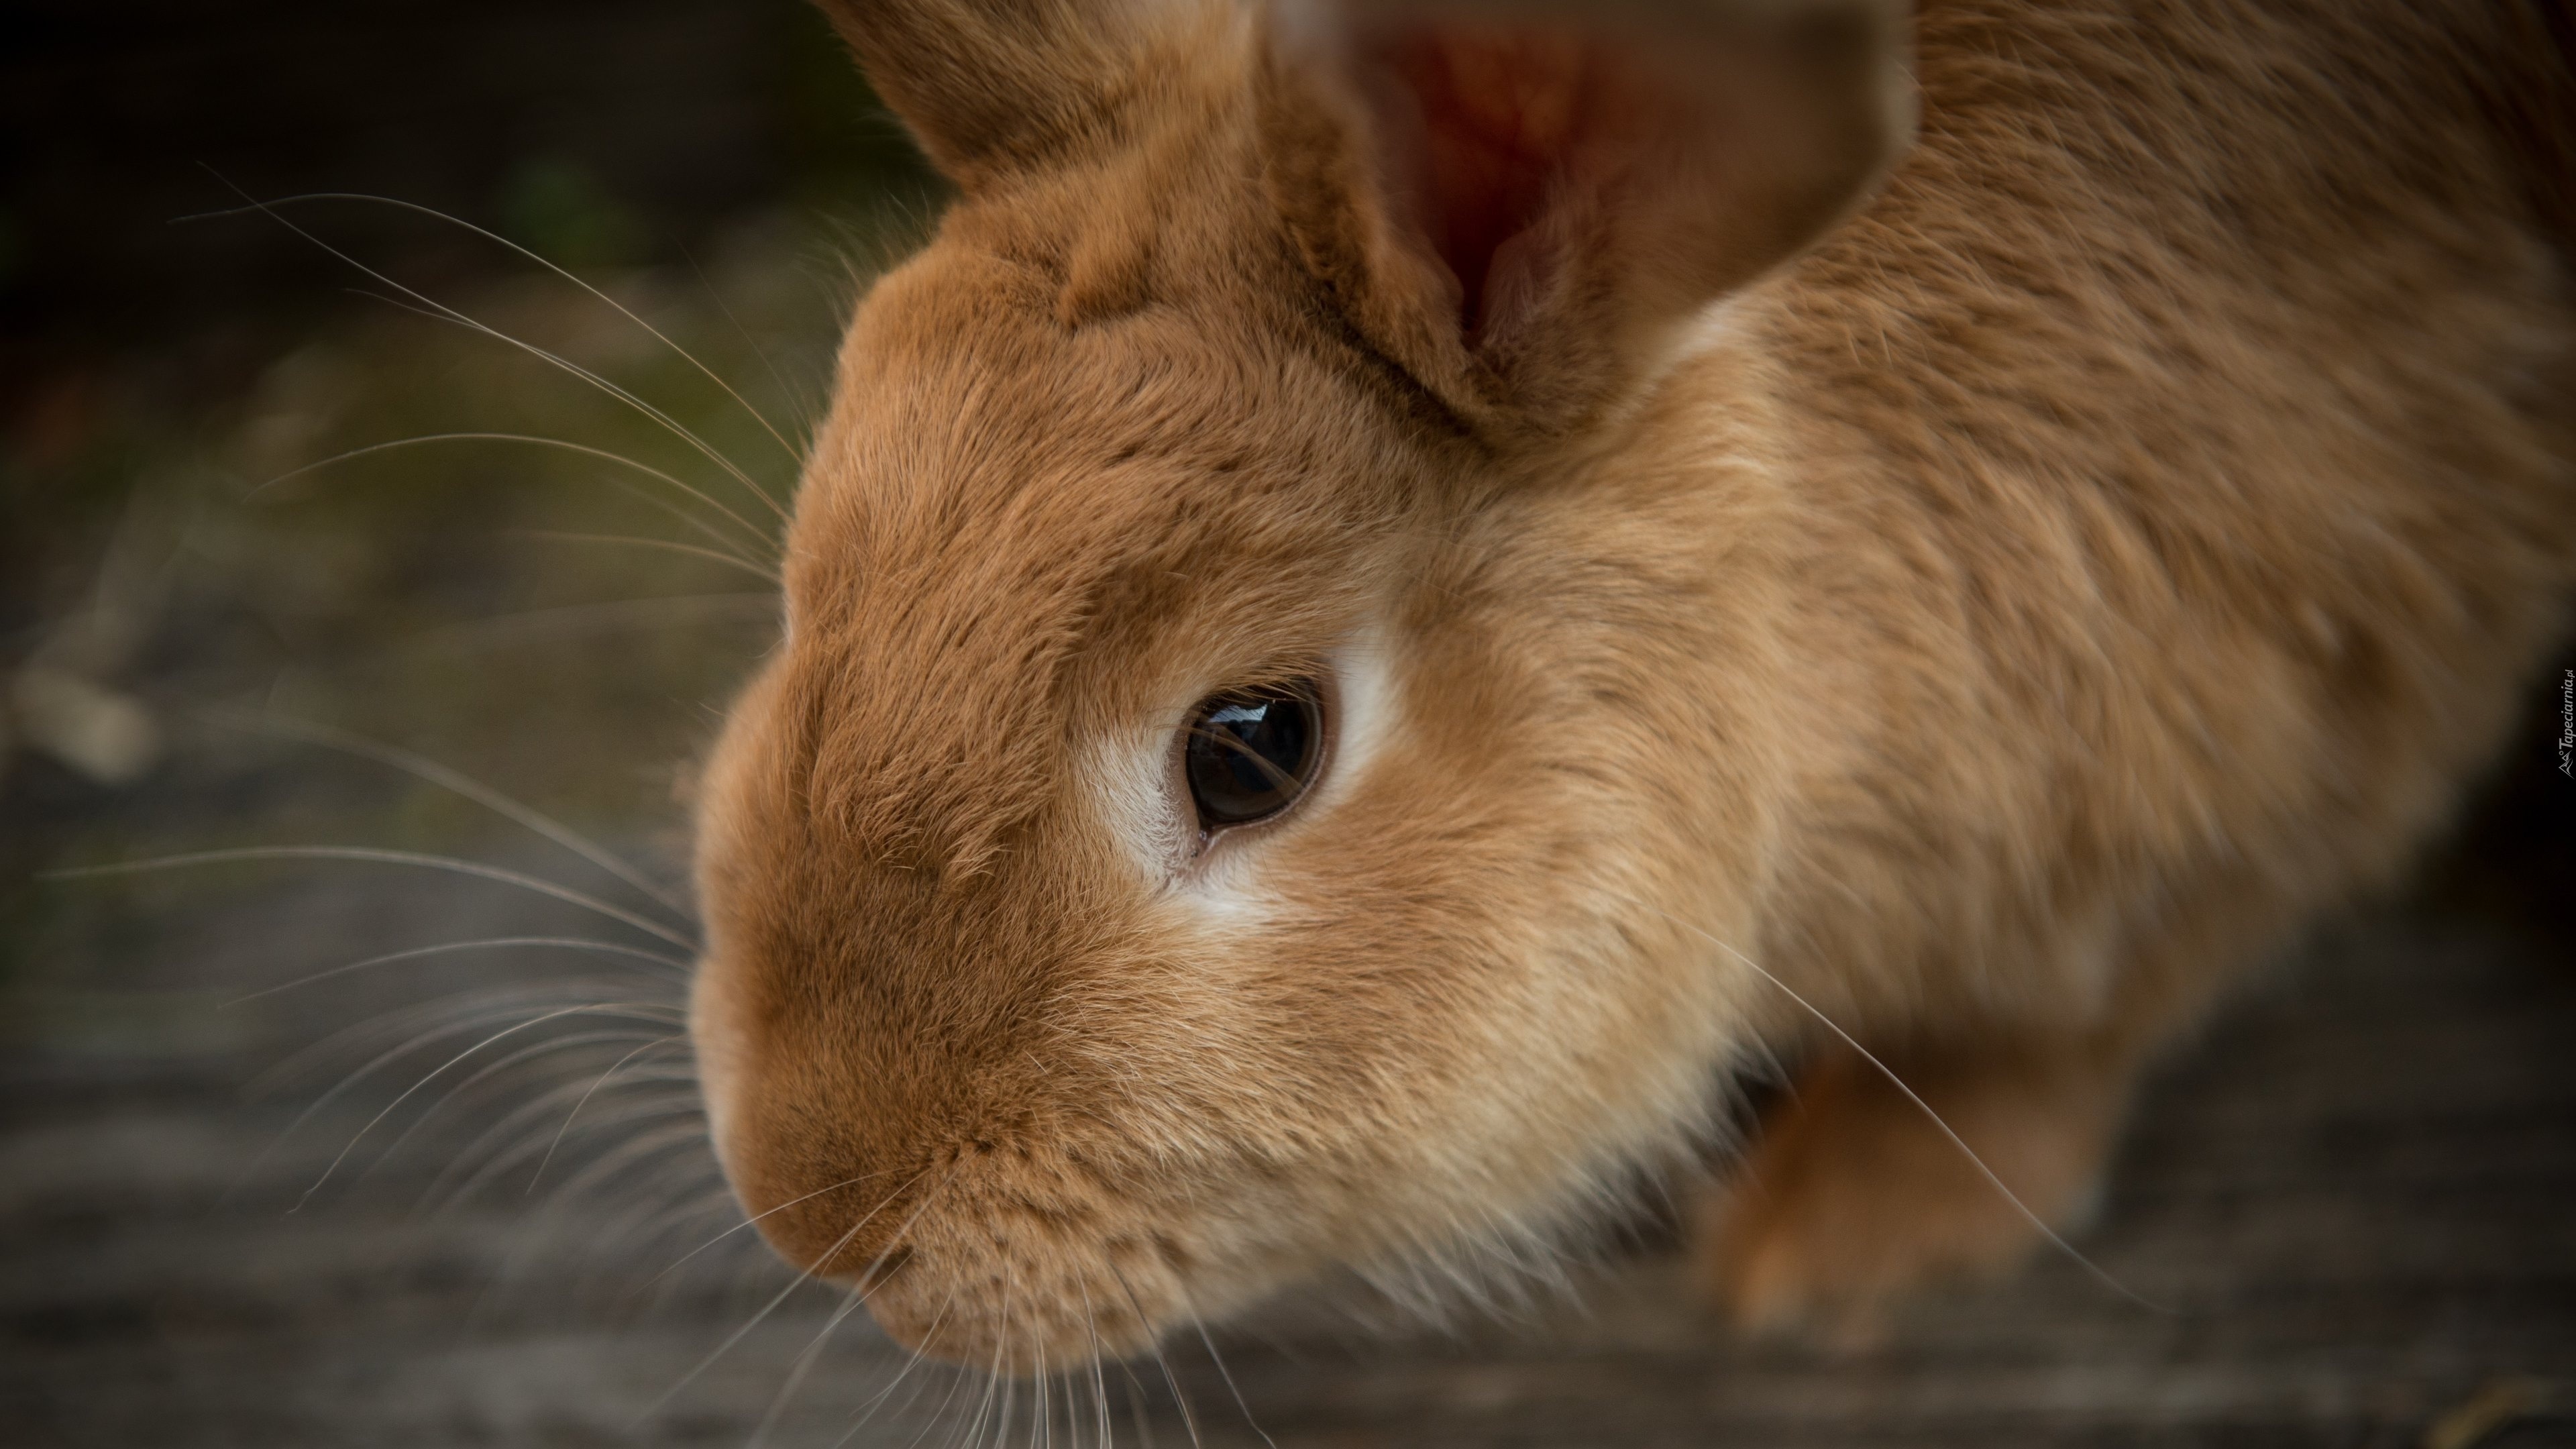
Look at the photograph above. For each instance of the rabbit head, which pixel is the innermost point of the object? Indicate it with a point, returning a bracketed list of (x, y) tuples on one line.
[(1240, 677)]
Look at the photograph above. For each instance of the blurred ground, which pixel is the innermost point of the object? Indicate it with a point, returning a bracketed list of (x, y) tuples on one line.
[(2359, 1192)]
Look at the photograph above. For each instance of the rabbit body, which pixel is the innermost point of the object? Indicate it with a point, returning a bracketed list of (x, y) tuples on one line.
[(1984, 608), (2181, 484)]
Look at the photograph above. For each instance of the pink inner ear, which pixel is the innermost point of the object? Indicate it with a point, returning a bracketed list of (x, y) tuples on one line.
[(1513, 120)]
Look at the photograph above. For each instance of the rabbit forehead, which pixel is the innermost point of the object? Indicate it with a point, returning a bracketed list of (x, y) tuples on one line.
[(968, 416)]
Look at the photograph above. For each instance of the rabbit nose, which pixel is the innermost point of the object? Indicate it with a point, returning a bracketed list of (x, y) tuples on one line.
[(826, 1213)]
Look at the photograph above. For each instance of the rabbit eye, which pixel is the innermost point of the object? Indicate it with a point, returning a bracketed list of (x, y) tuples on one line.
[(1249, 755)]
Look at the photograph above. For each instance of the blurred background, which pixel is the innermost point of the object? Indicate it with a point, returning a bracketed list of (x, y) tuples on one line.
[(437, 527)]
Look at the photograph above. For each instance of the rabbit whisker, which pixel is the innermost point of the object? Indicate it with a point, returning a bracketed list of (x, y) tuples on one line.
[(445, 312), (755, 1219), (724, 542), (487, 943), (2069, 1250), (1041, 1422), (850, 1303), (752, 533), (993, 1375), (433, 1075), (1038, 1401), (495, 1068), (492, 630), (608, 1164), (535, 1243), (468, 1021), (644, 1148), (1099, 1389), (646, 1220), (1136, 1397), (647, 1226), (956, 1381), (767, 364), (664, 545), (482, 1160), (604, 1079), (422, 1025), (1227, 1375), (439, 315), (1189, 1420), (554, 267), (970, 1434), (372, 856), (806, 1274), (637, 1151), (912, 1360), (435, 312)]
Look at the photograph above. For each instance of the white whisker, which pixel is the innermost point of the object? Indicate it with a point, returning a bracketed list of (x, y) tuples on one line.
[(806, 1274), (604, 1079), (637, 1151), (2037, 1222), (1099, 1388), (1136, 1397), (912, 1360), (755, 1219), (752, 534), (850, 1303), (457, 782), (489, 1070), (1224, 1373), (590, 1174), (717, 297), (657, 415), (649, 1222), (371, 856), (1189, 1420), (488, 943), (993, 1375), (560, 271), (956, 1381), (468, 1021), (1044, 1423), (664, 545), (529, 1112), (442, 1016), (433, 1075), (750, 604)]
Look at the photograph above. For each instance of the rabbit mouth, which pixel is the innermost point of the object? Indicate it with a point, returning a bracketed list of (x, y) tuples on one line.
[(993, 1260), (1017, 1311)]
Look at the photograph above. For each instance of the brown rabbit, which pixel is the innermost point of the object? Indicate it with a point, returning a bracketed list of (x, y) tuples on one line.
[(1404, 587)]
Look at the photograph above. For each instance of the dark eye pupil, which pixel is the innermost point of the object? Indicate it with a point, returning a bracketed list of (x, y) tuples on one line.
[(1249, 755)]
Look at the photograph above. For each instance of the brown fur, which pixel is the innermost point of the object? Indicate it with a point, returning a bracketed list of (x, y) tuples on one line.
[(2110, 546)]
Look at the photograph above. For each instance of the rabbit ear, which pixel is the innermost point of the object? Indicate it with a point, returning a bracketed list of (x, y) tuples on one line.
[(1523, 202), (995, 86)]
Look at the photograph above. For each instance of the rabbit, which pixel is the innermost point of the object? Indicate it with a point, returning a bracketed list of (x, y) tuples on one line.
[(1405, 590)]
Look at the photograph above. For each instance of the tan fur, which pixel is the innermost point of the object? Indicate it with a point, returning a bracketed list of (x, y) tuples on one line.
[(2002, 624)]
